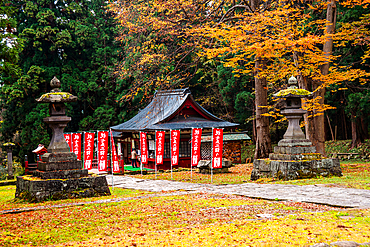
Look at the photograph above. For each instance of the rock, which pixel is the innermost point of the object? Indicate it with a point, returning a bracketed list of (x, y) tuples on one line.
[(266, 216), (320, 245), (205, 166), (345, 244)]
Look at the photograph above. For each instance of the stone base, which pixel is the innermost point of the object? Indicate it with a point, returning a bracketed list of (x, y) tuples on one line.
[(290, 170), (34, 189), (294, 150), (61, 174), (206, 170), (205, 167), (61, 165), (303, 156), (294, 143)]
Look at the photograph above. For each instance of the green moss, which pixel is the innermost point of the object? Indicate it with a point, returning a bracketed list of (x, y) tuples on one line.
[(8, 144), (63, 94), (294, 91)]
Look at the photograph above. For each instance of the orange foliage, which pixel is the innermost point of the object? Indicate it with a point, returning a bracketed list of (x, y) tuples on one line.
[(169, 34)]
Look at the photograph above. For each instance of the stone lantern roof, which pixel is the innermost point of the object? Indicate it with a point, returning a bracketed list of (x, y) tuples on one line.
[(292, 90), (55, 95)]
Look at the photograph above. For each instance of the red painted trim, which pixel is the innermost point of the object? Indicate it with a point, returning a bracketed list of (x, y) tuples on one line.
[(188, 102)]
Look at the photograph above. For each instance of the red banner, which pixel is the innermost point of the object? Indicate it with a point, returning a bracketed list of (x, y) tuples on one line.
[(217, 148), (68, 138), (88, 150), (159, 146), (76, 143), (115, 163), (175, 143), (143, 148), (195, 146), (102, 150)]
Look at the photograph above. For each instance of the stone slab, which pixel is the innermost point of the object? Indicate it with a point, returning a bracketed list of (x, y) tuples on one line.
[(55, 166), (55, 189), (303, 156), (59, 157), (208, 163), (294, 150), (294, 143), (62, 174)]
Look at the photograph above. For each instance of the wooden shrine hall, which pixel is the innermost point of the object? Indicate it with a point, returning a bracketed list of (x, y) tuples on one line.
[(169, 109)]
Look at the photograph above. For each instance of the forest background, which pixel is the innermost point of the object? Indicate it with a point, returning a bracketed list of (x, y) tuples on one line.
[(233, 55)]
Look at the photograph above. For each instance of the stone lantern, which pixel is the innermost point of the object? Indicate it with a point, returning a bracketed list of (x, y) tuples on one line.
[(292, 110), (58, 119), (9, 148), (59, 174), (295, 157)]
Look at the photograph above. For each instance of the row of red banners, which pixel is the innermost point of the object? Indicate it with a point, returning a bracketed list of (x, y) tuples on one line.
[(74, 142), (175, 144)]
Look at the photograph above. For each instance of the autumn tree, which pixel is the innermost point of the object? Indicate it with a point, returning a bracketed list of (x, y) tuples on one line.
[(168, 54), (270, 40), (353, 40), (74, 41)]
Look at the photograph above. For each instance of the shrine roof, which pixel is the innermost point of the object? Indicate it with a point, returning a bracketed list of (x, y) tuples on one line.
[(162, 113)]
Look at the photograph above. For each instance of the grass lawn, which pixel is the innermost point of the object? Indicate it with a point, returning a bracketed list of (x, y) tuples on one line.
[(7, 198), (183, 220), (190, 219), (356, 174)]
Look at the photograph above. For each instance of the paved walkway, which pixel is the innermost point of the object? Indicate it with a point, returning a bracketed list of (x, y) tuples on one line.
[(341, 197)]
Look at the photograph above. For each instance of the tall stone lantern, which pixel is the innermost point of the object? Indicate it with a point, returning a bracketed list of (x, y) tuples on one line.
[(294, 157), (292, 110), (59, 174)]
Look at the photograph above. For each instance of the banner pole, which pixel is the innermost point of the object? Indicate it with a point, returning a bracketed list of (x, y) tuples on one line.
[(191, 158), (111, 158), (97, 147), (155, 155), (212, 159), (171, 151), (83, 149), (141, 153)]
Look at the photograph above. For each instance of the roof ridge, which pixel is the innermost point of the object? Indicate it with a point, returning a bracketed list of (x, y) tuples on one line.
[(173, 92)]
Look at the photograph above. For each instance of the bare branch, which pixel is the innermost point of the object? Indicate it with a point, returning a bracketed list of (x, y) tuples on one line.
[(232, 9)]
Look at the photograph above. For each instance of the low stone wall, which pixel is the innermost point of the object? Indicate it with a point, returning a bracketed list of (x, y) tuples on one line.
[(35, 190), (290, 169)]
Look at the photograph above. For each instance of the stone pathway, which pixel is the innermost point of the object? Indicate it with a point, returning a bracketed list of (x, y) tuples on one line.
[(333, 196)]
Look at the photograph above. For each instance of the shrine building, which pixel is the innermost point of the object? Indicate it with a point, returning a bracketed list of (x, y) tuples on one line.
[(170, 110)]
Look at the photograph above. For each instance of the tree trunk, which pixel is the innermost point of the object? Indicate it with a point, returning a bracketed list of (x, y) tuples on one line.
[(254, 123), (365, 128), (317, 131), (357, 138), (263, 141), (344, 124)]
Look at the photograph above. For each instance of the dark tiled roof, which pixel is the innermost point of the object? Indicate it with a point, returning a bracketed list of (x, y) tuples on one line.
[(163, 106)]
